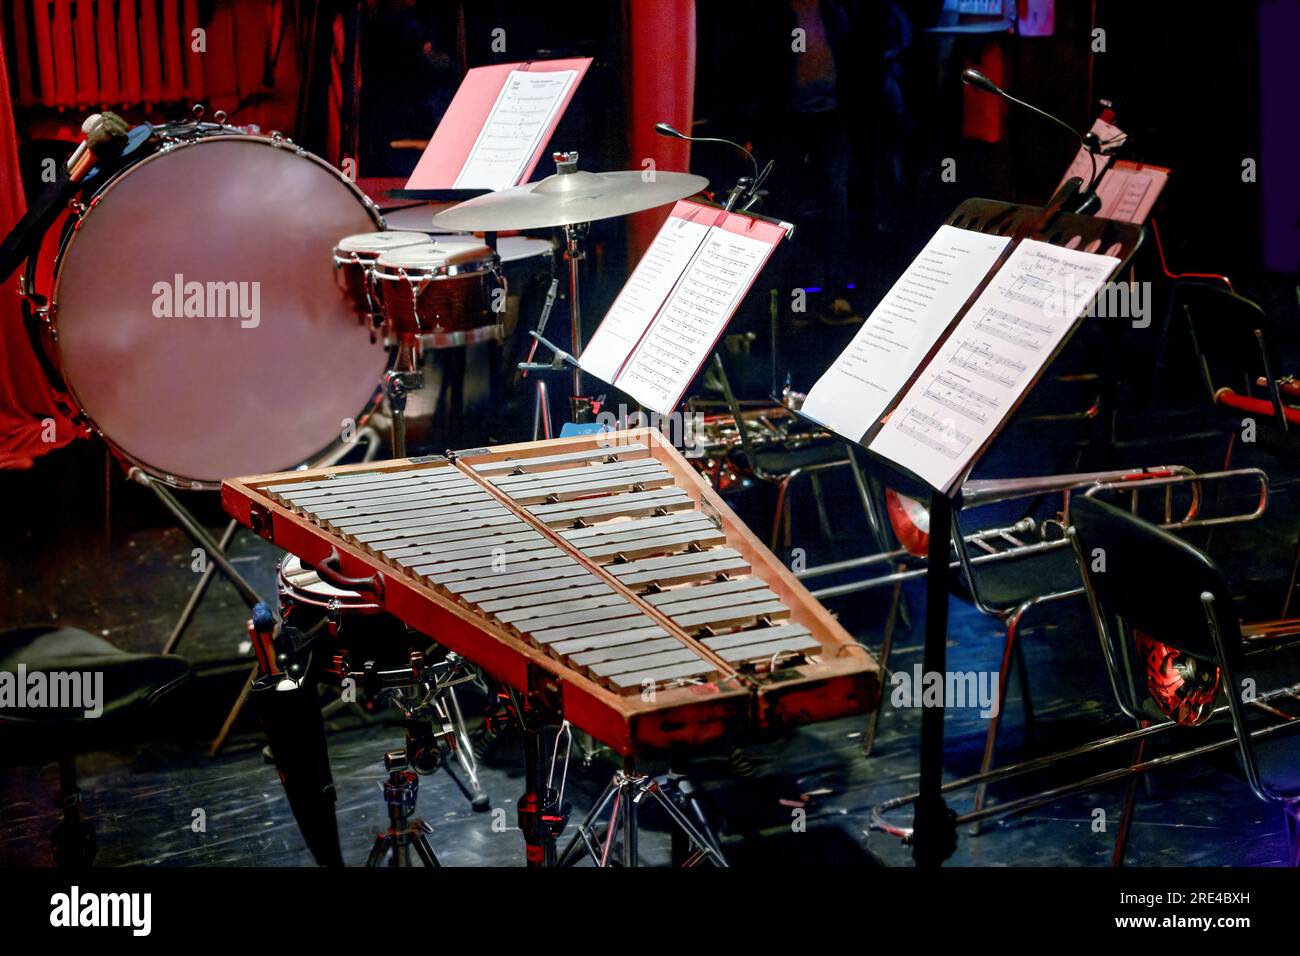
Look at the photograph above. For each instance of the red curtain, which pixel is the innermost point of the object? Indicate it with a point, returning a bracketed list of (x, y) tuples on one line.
[(30, 422), (662, 87)]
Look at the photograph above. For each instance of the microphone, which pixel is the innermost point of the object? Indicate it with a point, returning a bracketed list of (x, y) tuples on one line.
[(1088, 140), (672, 132), (981, 82)]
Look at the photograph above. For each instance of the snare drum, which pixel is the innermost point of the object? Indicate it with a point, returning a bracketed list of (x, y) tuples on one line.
[(355, 256), (447, 293)]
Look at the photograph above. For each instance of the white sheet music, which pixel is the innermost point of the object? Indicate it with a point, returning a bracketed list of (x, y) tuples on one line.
[(854, 392), (636, 306), (523, 112), (990, 358), (693, 317)]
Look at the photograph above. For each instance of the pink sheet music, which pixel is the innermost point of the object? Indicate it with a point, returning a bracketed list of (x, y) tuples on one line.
[(445, 158)]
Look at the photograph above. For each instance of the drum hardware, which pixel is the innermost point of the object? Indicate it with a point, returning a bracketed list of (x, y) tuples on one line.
[(622, 798), (393, 846), (423, 690), (403, 378)]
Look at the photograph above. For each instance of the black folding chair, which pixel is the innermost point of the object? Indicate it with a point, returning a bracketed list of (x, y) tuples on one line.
[(1140, 578)]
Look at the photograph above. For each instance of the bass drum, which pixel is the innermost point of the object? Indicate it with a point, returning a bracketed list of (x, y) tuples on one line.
[(194, 316)]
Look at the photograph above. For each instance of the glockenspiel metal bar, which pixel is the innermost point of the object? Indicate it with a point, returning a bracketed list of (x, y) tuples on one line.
[(623, 651), (517, 585), (627, 452), (619, 638), (759, 652), (559, 592), (647, 662), (398, 502), (680, 568), (611, 625), (689, 597), (630, 505), (731, 616), (369, 483), (474, 573), (515, 538), (360, 478), (583, 614), (508, 584), (636, 680), (571, 610), (652, 545), (533, 489), (383, 521)]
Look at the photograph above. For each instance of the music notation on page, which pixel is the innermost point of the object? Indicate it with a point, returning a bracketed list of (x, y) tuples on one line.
[(855, 391), (677, 302), (524, 110), (994, 354)]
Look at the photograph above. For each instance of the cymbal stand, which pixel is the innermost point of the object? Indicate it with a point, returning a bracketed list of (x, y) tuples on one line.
[(574, 254), (623, 797), (542, 399)]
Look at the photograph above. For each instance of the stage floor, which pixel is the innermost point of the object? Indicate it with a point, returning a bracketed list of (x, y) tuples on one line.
[(143, 798)]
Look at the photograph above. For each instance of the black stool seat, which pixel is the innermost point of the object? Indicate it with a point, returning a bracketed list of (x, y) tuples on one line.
[(130, 683)]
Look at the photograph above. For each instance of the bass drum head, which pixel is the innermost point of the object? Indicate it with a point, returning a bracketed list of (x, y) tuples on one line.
[(198, 323)]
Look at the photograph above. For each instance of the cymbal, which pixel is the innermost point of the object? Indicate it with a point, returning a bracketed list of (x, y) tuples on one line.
[(567, 198)]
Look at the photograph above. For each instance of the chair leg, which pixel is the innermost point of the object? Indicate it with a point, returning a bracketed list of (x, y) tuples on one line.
[(73, 839), (823, 519), (886, 643), (1291, 811), (991, 739), (1130, 805), (1022, 675)]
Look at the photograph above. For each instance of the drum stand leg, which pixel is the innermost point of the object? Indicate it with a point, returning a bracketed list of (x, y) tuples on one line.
[(672, 792), (398, 383), (200, 589), (393, 846)]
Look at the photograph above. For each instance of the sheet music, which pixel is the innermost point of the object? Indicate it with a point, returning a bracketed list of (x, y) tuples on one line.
[(990, 359), (692, 318), (524, 110), (648, 288), (1129, 191), (854, 392)]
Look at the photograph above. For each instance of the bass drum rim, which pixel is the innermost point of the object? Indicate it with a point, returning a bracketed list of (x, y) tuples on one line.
[(72, 228)]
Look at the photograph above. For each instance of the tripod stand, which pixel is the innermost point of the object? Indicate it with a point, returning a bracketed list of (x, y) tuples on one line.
[(432, 717), (694, 841), (404, 831)]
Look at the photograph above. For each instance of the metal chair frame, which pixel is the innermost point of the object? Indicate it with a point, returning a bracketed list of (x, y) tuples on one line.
[(1127, 705)]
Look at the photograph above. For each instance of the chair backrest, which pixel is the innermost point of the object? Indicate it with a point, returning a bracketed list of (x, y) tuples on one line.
[(1152, 579), (1230, 336)]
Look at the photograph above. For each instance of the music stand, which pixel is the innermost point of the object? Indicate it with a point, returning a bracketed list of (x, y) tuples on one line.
[(934, 831)]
